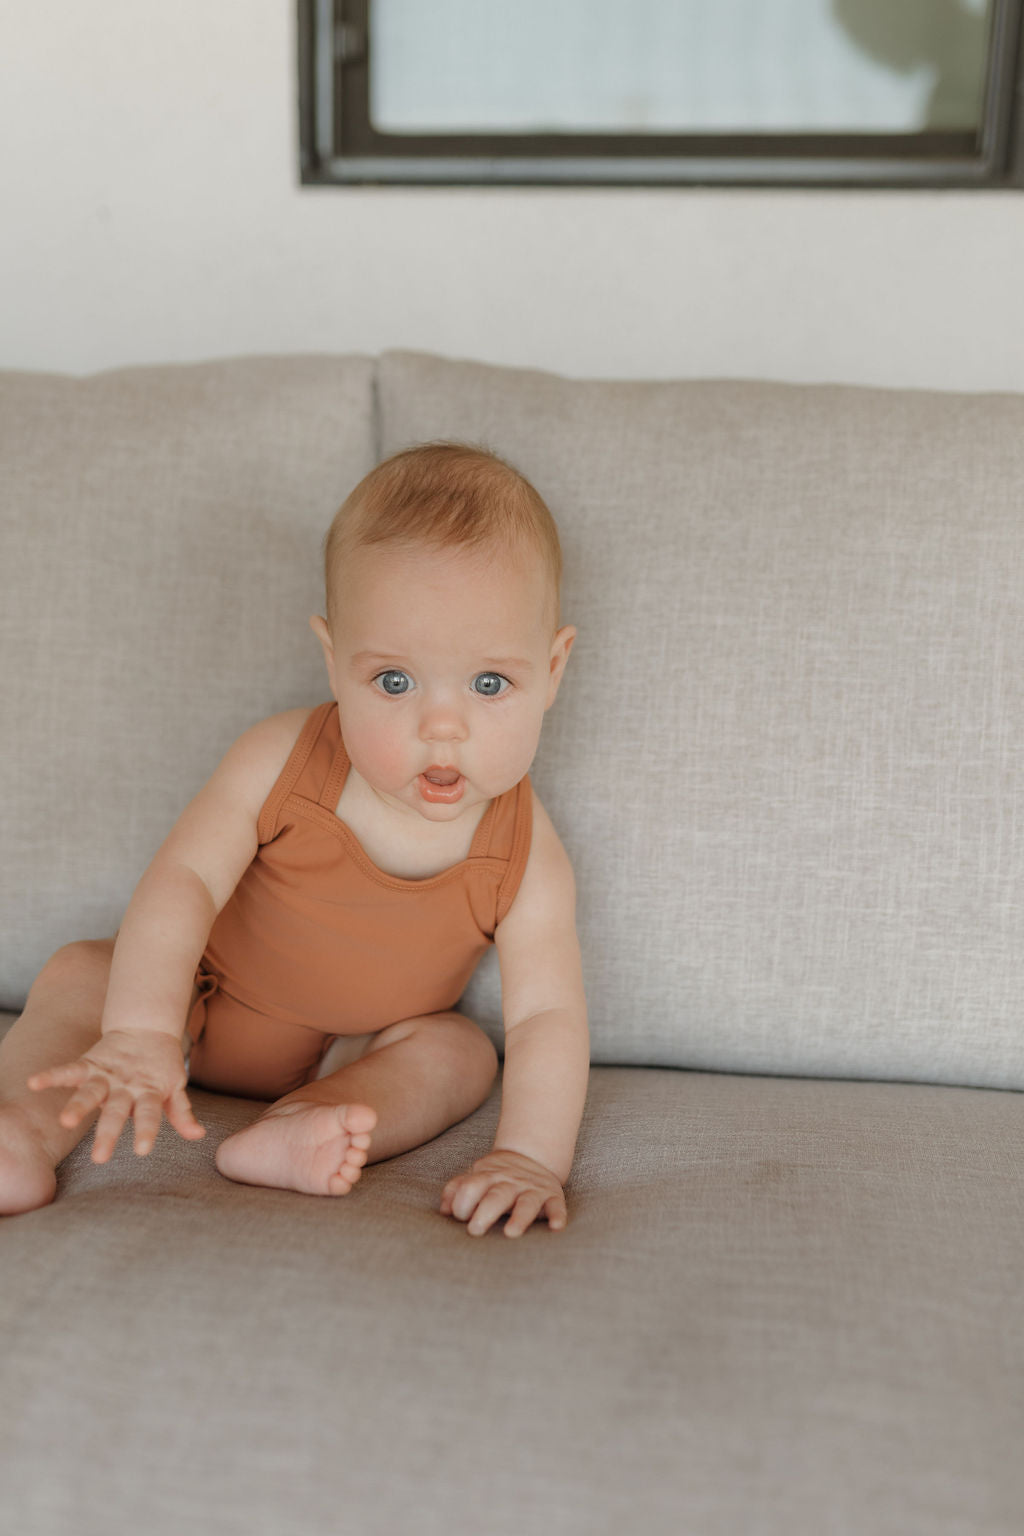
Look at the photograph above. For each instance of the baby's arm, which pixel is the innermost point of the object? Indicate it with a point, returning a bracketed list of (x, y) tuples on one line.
[(547, 1052), (137, 1067)]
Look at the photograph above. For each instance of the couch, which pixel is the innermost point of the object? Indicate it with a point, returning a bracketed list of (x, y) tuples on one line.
[(787, 762)]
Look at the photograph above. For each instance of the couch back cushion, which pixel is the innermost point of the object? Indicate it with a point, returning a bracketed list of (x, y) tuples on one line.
[(787, 754), (161, 532)]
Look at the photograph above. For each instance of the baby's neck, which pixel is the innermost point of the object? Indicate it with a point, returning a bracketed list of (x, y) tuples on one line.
[(404, 844)]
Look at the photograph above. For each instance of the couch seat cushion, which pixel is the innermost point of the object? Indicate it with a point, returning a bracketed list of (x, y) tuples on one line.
[(780, 1305)]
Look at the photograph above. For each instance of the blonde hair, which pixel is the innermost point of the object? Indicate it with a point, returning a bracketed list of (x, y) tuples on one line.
[(448, 496)]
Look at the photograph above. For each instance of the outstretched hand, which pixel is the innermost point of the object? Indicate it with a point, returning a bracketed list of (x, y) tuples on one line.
[(500, 1182), (131, 1073)]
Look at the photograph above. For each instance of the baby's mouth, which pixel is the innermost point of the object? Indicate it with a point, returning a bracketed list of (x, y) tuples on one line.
[(442, 786)]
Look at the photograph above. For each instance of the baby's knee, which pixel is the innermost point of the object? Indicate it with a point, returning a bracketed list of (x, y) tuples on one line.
[(447, 1039), (474, 1049), (81, 961)]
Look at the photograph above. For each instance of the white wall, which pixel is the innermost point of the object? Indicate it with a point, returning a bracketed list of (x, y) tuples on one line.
[(151, 210)]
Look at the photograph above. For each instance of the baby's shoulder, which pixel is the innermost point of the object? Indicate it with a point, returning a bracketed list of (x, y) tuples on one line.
[(537, 937), (274, 735), (257, 758), (539, 817), (282, 730), (548, 875)]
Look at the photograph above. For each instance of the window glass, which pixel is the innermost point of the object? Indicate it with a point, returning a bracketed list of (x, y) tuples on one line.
[(677, 66)]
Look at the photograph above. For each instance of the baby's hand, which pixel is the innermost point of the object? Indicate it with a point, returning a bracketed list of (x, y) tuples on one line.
[(131, 1072), (504, 1181)]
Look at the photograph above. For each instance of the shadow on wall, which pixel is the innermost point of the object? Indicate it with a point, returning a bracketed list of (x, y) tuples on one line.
[(947, 35)]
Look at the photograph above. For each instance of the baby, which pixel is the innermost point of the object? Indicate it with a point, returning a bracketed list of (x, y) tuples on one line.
[(307, 928)]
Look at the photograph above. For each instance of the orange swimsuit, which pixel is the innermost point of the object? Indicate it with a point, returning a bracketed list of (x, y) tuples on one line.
[(317, 942)]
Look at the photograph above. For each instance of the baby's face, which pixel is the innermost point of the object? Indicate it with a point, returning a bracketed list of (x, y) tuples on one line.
[(442, 660)]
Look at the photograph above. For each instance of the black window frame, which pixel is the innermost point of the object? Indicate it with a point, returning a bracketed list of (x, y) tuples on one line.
[(339, 146)]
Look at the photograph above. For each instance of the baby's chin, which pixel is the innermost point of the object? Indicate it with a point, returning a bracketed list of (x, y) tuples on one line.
[(409, 801), (448, 802)]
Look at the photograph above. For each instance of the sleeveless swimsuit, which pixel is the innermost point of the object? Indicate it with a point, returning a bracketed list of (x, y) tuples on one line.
[(316, 942)]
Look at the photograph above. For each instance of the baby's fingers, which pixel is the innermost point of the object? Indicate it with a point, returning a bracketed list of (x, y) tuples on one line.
[(81, 1104), (110, 1124), (179, 1113), (461, 1195), (67, 1076), (524, 1212), (556, 1211), (529, 1206), (498, 1199), (148, 1114)]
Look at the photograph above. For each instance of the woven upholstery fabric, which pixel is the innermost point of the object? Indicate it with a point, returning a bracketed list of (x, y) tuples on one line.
[(787, 754), (785, 762), (159, 560), (780, 1306)]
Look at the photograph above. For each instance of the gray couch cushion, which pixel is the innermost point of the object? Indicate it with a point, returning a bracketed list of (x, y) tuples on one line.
[(786, 756), (160, 558), (780, 1306)]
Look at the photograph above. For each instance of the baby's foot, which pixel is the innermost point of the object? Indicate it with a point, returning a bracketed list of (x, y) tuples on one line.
[(27, 1179), (318, 1149)]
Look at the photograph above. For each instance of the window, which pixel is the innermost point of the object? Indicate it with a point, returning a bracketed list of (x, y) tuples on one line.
[(663, 92)]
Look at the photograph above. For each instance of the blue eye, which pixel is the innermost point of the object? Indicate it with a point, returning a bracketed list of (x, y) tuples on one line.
[(490, 685), (394, 683)]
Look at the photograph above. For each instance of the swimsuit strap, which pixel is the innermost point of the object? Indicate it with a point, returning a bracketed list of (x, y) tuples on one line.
[(299, 764)]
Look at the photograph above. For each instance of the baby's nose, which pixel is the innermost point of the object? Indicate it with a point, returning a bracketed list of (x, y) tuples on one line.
[(442, 720)]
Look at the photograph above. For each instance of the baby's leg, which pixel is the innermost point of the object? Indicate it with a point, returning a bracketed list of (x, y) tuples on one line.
[(61, 1020), (413, 1081)]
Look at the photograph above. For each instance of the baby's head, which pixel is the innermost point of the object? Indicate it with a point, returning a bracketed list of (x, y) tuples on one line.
[(442, 637), (450, 497)]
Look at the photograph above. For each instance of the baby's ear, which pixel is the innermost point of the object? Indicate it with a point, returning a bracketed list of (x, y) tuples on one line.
[(319, 627), (560, 648)]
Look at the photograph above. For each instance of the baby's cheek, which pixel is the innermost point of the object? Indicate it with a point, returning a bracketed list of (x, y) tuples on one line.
[(515, 745), (383, 758), (393, 765)]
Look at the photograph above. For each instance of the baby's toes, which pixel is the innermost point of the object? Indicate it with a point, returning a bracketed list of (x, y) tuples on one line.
[(359, 1120), (355, 1153), (352, 1160), (341, 1182), (351, 1166)]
